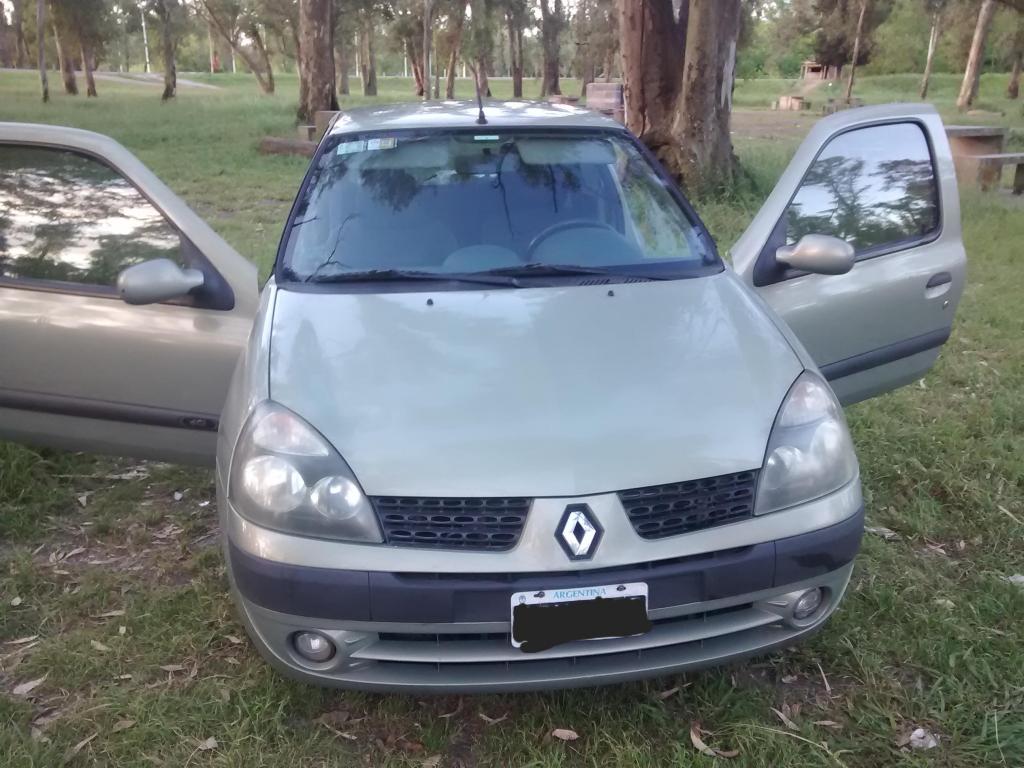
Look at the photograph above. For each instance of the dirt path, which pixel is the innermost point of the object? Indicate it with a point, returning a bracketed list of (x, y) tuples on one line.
[(150, 78)]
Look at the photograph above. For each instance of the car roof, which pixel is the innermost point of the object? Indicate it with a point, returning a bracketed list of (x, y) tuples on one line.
[(463, 114)]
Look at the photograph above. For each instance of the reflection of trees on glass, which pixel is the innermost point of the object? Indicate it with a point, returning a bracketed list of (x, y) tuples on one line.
[(870, 187), (70, 218), (379, 202)]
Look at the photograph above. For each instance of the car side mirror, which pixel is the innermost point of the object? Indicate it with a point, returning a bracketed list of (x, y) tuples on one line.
[(820, 254), (156, 280)]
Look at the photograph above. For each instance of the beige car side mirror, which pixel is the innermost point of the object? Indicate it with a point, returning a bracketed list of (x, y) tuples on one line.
[(820, 254), (156, 280)]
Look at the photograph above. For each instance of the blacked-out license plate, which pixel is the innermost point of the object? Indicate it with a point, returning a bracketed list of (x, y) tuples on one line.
[(544, 619)]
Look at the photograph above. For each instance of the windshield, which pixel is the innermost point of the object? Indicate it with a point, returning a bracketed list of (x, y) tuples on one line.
[(471, 203)]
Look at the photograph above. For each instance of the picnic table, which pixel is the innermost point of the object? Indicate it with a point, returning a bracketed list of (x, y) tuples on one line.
[(979, 154)]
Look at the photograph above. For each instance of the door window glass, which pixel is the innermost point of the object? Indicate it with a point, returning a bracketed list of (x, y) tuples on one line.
[(70, 218), (873, 187)]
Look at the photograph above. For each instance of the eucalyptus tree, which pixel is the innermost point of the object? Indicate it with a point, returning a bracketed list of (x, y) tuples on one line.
[(552, 22), (678, 67), (233, 19)]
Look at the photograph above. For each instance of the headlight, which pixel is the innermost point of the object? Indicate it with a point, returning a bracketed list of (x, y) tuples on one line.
[(286, 476), (810, 453)]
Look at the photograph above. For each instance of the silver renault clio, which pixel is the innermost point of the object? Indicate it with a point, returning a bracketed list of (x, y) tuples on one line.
[(502, 418)]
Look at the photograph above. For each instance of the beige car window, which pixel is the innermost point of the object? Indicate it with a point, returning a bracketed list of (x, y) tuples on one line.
[(69, 218)]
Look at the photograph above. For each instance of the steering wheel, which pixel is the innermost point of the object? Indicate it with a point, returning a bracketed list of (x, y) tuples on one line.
[(562, 226)]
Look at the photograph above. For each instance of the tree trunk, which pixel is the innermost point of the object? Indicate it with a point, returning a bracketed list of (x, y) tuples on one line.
[(88, 64), (515, 53), (453, 56), (212, 46), (1013, 87), (20, 44), (480, 73), (66, 64), (316, 57), (700, 154), (856, 49), (267, 81), (416, 61), (969, 87), (552, 19), (652, 41), (165, 10), (933, 43), (341, 44), (41, 47), (368, 57), (428, 17), (261, 69)]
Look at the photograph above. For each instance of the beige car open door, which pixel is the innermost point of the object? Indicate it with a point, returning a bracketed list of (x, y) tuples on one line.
[(879, 179), (85, 228)]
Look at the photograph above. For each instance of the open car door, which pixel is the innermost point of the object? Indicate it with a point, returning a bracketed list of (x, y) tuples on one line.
[(85, 229), (870, 197)]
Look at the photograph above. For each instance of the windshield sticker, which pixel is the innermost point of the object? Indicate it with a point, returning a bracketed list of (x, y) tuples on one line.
[(486, 137), (368, 145)]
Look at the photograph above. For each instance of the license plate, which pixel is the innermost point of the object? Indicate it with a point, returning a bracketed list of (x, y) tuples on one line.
[(546, 618)]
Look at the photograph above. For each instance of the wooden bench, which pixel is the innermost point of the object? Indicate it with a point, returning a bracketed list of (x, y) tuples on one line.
[(988, 169)]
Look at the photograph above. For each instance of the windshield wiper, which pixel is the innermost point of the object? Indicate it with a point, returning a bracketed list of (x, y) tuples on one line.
[(538, 269), (385, 275)]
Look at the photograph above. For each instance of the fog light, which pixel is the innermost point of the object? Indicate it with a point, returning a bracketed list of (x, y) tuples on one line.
[(809, 602), (313, 646)]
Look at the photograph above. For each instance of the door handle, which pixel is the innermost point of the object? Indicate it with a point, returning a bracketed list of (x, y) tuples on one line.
[(938, 284)]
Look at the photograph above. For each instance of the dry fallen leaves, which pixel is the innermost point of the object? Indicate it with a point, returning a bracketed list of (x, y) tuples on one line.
[(22, 640), (172, 667), (122, 725), (70, 754), (696, 732), (565, 734), (24, 689), (431, 762), (98, 646), (16, 602), (207, 744), (493, 720), (786, 721)]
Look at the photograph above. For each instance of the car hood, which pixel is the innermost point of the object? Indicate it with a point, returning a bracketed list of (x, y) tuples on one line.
[(555, 391)]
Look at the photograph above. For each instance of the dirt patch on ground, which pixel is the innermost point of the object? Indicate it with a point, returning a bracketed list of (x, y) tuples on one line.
[(768, 124)]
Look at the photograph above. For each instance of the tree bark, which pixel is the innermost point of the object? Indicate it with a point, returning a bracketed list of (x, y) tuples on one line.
[(652, 41), (416, 62), (700, 154), (1013, 87), (66, 65), (267, 81), (856, 49), (453, 56), (341, 63), (428, 17), (972, 75), (88, 64), (552, 20), (316, 56), (20, 44), (165, 10), (515, 52), (368, 56), (933, 43), (41, 47)]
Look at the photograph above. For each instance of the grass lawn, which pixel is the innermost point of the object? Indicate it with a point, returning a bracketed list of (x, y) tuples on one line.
[(113, 593)]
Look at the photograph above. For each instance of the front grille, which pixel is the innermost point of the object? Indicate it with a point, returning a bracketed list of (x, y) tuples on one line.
[(490, 524), (668, 510)]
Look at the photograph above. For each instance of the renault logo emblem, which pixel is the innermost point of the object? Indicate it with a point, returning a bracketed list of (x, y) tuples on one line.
[(579, 533)]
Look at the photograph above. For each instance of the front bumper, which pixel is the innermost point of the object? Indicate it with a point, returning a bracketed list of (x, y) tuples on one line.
[(450, 632)]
